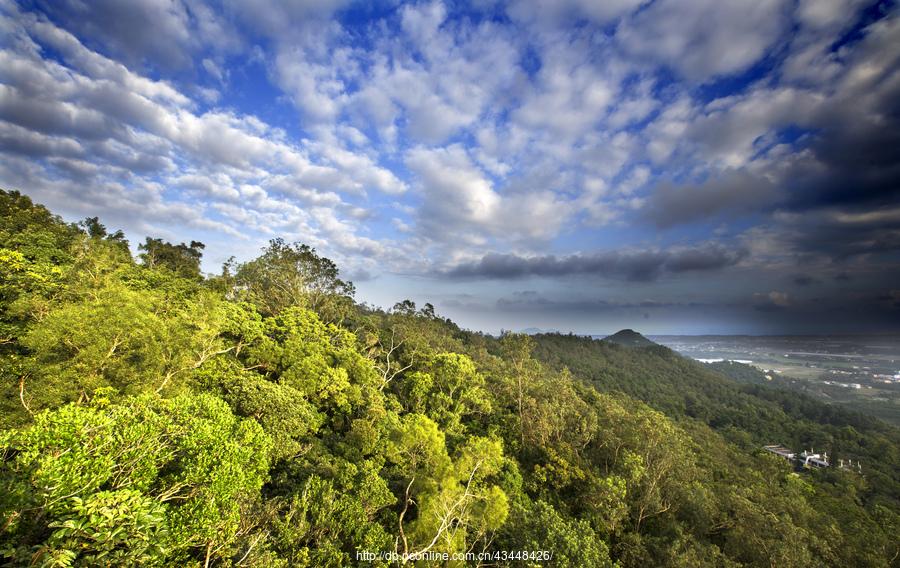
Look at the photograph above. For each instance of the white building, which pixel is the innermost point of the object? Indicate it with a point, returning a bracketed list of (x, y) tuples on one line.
[(811, 459)]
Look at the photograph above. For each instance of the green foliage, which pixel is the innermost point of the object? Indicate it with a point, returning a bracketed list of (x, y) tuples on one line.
[(448, 389), (324, 527), (112, 338), (539, 526), (33, 231), (154, 417), (97, 230), (146, 481), (121, 528), (317, 359), (182, 259), (728, 422), (130, 339), (35, 248), (748, 414), (292, 275), (283, 411)]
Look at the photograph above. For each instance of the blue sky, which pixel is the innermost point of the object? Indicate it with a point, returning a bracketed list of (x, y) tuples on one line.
[(675, 166)]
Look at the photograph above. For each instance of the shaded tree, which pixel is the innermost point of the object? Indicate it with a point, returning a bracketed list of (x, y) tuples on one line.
[(182, 259)]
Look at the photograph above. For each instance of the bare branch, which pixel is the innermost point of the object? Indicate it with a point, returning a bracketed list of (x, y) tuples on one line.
[(22, 395), (387, 373), (252, 545), (406, 502), (450, 513)]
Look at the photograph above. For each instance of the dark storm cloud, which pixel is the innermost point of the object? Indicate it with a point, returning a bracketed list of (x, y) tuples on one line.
[(863, 177), (855, 168), (840, 235), (890, 299), (731, 193), (858, 137), (529, 301), (803, 280), (837, 184), (764, 306), (635, 266)]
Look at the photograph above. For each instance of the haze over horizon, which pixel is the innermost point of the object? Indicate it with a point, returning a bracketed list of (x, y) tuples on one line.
[(674, 167)]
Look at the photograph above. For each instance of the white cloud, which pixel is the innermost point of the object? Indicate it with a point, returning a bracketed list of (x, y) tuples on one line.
[(283, 17), (828, 14), (455, 190), (704, 38), (315, 87), (462, 205), (729, 128), (93, 137), (551, 14)]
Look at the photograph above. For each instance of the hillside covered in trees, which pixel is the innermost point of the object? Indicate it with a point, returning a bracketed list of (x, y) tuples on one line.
[(628, 338), (152, 416)]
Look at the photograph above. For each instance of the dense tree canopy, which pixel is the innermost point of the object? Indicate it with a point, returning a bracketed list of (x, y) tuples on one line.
[(151, 416), (183, 259)]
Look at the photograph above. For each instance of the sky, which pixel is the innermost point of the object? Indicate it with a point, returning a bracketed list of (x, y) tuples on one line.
[(672, 166)]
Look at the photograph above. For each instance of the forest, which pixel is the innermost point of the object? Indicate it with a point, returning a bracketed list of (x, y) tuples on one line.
[(152, 415)]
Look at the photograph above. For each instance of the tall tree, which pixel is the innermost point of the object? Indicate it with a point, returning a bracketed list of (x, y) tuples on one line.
[(97, 230), (181, 259), (288, 275)]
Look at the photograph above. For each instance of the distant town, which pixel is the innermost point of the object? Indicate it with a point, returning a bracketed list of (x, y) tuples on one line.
[(861, 372)]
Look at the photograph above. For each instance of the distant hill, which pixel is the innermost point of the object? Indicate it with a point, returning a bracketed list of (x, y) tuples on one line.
[(629, 338), (537, 331)]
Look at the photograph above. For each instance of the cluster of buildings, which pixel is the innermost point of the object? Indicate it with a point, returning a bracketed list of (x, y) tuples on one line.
[(810, 459), (845, 385), (887, 378)]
